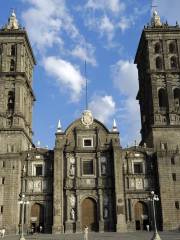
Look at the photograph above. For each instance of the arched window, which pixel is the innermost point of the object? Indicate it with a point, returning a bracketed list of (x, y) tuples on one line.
[(172, 47), (162, 95), (11, 101), (177, 97), (159, 64), (157, 48), (12, 65), (173, 62), (13, 50)]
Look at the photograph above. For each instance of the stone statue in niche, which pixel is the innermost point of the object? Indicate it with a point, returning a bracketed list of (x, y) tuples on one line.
[(72, 214), (72, 200), (103, 165), (72, 166), (106, 213), (103, 168), (72, 170)]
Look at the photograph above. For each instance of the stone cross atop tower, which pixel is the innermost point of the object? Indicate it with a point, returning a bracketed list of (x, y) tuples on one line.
[(12, 22)]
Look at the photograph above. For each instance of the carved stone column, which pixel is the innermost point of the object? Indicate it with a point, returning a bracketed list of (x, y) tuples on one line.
[(68, 223), (101, 219), (78, 209)]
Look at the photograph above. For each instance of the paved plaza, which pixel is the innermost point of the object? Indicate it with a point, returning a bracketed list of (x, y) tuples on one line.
[(101, 236)]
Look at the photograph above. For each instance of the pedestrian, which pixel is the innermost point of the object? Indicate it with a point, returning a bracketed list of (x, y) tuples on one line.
[(86, 233)]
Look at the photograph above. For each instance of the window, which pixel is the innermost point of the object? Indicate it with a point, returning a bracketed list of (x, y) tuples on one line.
[(174, 176), (13, 50), (177, 205), (12, 65), (1, 209), (172, 47), (173, 62), (11, 101), (159, 63), (3, 164), (162, 95), (138, 168), (88, 167), (87, 142), (173, 161), (39, 170), (176, 97), (157, 48), (3, 180)]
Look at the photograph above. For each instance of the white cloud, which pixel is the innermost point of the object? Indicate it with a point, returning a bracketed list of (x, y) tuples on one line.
[(106, 27), (103, 108), (85, 53), (107, 18), (67, 76), (48, 22), (114, 6), (45, 20), (124, 23), (125, 78)]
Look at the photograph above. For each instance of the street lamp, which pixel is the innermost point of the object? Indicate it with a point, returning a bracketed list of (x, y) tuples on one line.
[(154, 197), (22, 201)]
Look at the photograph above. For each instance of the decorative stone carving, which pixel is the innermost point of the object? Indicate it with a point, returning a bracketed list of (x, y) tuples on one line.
[(72, 159), (103, 168), (72, 170), (72, 214), (87, 118), (30, 186), (139, 183), (106, 213), (37, 186), (72, 200)]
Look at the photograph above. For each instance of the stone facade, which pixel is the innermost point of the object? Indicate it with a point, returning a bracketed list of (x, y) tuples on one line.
[(88, 179)]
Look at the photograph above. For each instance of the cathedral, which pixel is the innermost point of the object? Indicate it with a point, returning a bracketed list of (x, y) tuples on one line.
[(88, 179)]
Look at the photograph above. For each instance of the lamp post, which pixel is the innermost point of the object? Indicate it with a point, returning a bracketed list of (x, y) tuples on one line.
[(22, 201), (154, 197)]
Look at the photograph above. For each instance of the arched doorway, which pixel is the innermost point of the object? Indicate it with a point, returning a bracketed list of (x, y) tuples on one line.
[(89, 214), (37, 217), (141, 216)]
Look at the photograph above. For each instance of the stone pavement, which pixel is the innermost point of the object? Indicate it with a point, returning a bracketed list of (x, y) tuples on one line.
[(100, 236)]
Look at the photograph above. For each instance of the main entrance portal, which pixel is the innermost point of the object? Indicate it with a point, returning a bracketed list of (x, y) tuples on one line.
[(89, 214), (141, 216), (37, 217)]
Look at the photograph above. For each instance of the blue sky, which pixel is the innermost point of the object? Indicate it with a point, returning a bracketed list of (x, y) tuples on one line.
[(105, 33)]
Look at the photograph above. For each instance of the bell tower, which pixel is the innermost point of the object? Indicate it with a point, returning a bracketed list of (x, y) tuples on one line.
[(16, 95), (158, 63)]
